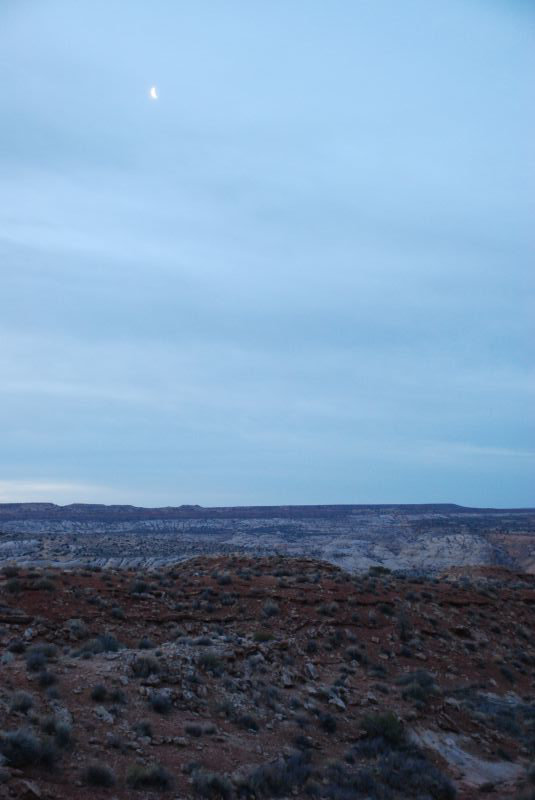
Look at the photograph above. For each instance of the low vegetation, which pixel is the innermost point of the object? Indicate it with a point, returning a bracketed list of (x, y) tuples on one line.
[(249, 679)]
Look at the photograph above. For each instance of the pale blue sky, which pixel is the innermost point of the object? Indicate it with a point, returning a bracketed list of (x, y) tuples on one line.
[(304, 275)]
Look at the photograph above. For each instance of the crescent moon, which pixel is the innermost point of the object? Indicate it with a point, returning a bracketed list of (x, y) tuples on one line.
[(153, 93)]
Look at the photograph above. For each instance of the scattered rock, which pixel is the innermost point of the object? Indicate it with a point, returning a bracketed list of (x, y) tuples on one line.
[(104, 715)]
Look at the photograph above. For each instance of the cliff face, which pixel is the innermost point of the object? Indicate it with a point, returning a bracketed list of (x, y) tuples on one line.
[(399, 537)]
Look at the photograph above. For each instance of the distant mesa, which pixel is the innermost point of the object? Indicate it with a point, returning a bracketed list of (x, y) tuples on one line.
[(422, 538)]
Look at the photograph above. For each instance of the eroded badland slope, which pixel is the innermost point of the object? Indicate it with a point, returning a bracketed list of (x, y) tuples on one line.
[(266, 677)]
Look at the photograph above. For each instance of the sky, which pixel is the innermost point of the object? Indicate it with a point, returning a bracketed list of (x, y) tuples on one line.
[(304, 274)]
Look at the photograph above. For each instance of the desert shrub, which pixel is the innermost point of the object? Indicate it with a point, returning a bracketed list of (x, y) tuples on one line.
[(99, 693), (335, 639), (105, 643), (247, 721), (404, 628), (152, 776), (385, 726), (226, 708), (418, 686), (146, 644), (210, 661), (212, 784), (46, 678), (10, 570), (160, 702), (52, 693), (45, 584), (117, 612), (228, 599), (353, 653), (118, 697), (38, 655), (279, 778), (339, 782), (294, 703), (139, 587), (386, 609), (98, 775), (328, 609), (49, 753), (302, 742), (144, 729), (77, 628), (262, 636), (271, 697), (418, 694), (17, 646), (13, 585), (530, 795), (270, 608), (401, 766), (311, 646), (381, 687), (59, 730), (327, 722), (62, 734), (114, 741), (281, 572), (95, 600), (22, 748), (21, 701), (378, 569), (508, 674), (414, 776), (144, 666)]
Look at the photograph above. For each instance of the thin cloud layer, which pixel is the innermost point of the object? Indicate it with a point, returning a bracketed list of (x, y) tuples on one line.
[(303, 274)]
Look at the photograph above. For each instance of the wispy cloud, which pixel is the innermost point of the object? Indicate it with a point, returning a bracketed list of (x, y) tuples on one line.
[(61, 492)]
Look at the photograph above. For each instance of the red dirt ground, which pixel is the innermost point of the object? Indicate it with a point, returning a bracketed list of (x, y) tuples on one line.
[(274, 657)]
